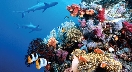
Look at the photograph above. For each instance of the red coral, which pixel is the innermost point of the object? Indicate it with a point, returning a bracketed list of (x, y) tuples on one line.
[(128, 26), (73, 9), (101, 15)]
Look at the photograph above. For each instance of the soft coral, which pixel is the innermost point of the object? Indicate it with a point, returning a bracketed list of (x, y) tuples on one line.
[(128, 26), (101, 15)]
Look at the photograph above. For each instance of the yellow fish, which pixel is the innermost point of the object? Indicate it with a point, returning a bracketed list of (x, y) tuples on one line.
[(63, 30)]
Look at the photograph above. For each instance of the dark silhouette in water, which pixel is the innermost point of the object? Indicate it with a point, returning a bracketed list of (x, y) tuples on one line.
[(40, 6)]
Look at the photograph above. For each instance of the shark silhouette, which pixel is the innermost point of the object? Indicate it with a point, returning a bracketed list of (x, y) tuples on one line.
[(39, 6), (30, 26)]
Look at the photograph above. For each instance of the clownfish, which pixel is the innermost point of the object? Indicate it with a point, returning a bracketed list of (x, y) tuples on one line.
[(103, 65), (33, 57), (41, 62)]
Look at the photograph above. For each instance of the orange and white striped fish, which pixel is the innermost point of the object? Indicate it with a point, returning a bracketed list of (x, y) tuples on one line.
[(33, 57), (41, 62)]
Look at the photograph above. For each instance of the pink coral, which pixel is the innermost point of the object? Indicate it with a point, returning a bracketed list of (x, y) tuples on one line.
[(98, 32), (83, 23)]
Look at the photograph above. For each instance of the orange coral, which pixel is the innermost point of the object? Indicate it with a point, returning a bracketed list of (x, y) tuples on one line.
[(90, 12), (52, 42)]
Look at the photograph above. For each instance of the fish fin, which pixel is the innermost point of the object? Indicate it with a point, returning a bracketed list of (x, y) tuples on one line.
[(37, 26), (23, 15), (22, 12), (44, 9), (46, 4), (31, 31)]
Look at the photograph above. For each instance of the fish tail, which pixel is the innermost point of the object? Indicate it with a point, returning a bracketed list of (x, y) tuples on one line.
[(18, 26), (22, 12)]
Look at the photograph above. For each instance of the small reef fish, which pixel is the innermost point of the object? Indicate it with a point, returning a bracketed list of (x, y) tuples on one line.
[(41, 62), (103, 65), (98, 51), (63, 30), (33, 57), (82, 59)]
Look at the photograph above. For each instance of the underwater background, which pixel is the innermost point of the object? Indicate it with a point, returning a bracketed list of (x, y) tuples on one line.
[(14, 42), (76, 36)]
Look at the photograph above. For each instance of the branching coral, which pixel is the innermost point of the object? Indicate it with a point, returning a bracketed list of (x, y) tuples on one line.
[(68, 25), (52, 42), (94, 60), (74, 35)]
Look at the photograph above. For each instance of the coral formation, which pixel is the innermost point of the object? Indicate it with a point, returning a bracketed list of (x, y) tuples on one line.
[(94, 60), (101, 42), (73, 35)]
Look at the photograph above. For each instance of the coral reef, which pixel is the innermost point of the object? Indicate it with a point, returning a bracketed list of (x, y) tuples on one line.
[(101, 42), (94, 60), (73, 35)]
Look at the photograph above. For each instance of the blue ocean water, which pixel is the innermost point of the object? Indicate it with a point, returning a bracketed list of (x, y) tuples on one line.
[(14, 42)]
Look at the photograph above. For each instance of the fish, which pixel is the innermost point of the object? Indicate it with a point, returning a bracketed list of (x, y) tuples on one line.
[(103, 65), (39, 6), (30, 26), (63, 30), (41, 62), (32, 57), (82, 59), (98, 51)]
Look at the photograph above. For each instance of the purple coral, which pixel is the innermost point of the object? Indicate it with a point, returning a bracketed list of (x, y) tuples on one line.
[(83, 22), (121, 10), (61, 53), (98, 33)]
